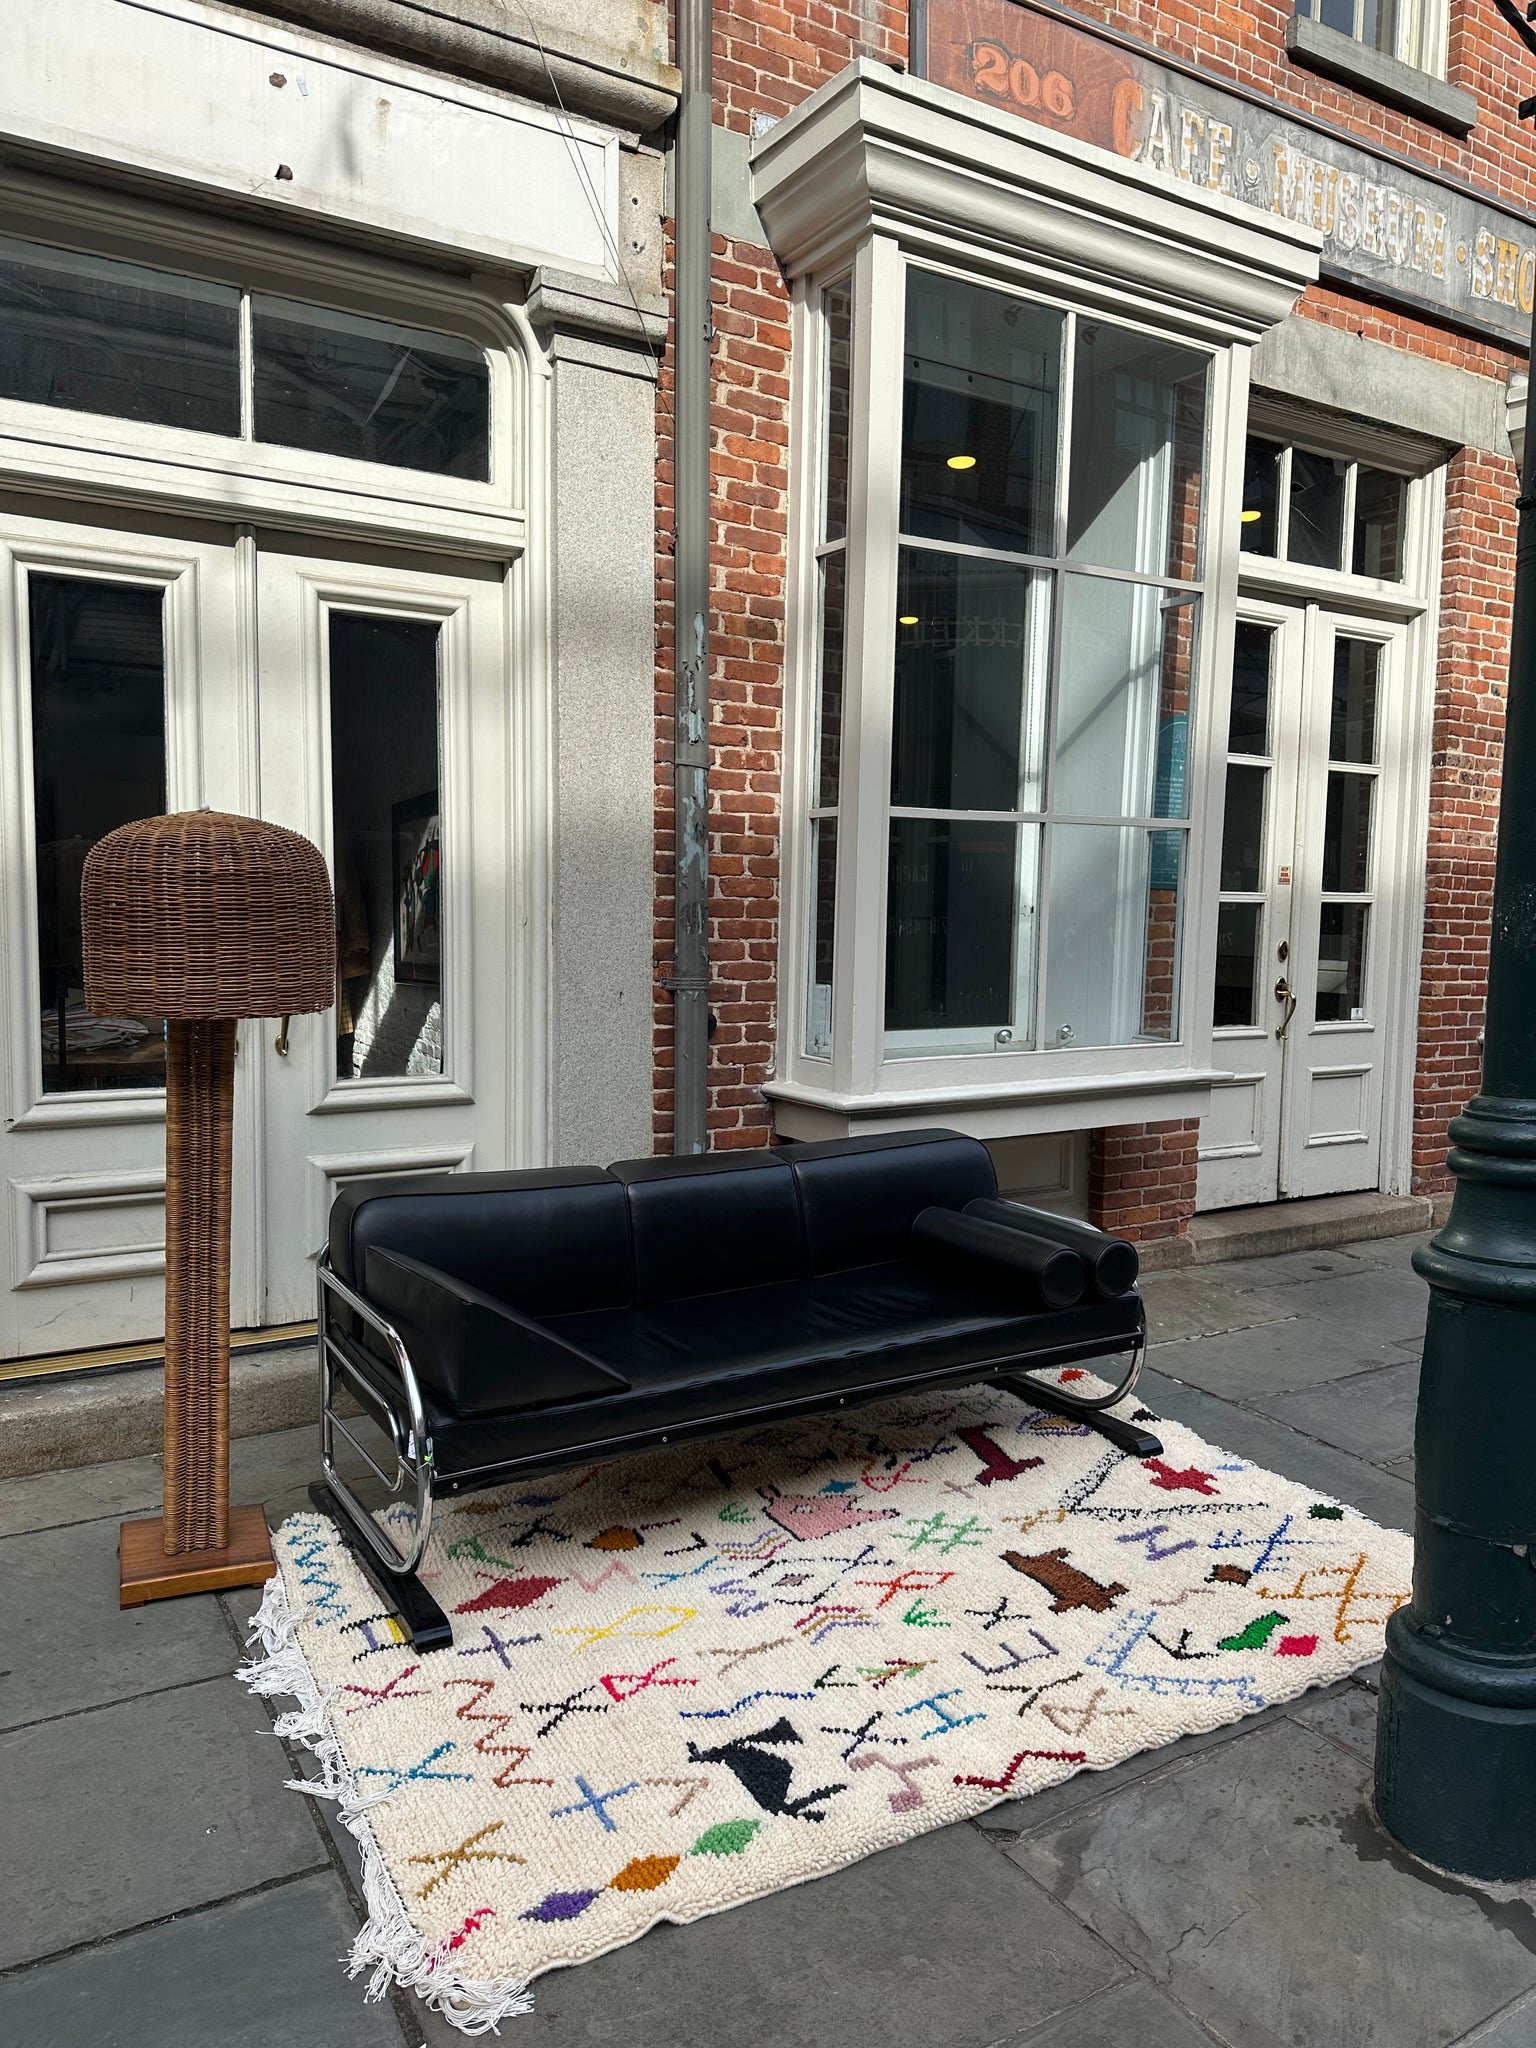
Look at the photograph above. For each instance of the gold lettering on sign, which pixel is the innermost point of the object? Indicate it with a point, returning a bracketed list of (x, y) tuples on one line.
[(1125, 104), (1507, 262), (1218, 142), (1157, 150), (1528, 281)]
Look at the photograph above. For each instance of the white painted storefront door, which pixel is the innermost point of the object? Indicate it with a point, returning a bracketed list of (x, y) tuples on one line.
[(1306, 972), (384, 739), (361, 698)]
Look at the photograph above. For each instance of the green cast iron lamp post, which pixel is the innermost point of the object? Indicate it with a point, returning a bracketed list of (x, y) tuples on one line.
[(1456, 1734)]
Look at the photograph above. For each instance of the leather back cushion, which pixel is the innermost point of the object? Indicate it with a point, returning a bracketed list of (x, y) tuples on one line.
[(553, 1241), (709, 1224), (861, 1196)]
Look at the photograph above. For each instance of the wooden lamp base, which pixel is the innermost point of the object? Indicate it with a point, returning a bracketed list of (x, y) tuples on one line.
[(146, 1572)]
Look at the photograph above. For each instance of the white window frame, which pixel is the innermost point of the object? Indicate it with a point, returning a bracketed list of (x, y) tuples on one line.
[(874, 172), (1421, 31)]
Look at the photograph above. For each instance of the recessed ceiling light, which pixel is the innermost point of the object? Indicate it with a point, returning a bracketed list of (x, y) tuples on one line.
[(1252, 516), (961, 462), (907, 619)]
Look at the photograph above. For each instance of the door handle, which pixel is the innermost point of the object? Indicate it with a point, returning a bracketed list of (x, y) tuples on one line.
[(1284, 993), (280, 1043)]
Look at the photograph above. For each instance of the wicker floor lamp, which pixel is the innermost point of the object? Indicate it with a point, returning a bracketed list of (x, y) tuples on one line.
[(201, 918)]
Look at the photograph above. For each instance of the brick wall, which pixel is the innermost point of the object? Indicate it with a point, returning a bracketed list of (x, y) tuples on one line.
[(768, 58)]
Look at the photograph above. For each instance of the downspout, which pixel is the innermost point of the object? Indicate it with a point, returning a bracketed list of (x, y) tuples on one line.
[(689, 980)]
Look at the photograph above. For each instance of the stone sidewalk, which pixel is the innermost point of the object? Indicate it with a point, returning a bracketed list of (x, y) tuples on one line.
[(161, 1889)]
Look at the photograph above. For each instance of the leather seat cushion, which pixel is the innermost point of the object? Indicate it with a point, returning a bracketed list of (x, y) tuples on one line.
[(721, 1356)]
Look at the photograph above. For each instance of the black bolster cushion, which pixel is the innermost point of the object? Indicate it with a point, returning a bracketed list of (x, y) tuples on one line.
[(1033, 1269), (1112, 1263), (474, 1352)]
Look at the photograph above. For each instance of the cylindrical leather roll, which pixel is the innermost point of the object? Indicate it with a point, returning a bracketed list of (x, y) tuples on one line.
[(1112, 1263), (1051, 1275)]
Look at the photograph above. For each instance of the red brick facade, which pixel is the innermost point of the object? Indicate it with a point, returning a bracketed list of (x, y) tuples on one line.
[(768, 58)]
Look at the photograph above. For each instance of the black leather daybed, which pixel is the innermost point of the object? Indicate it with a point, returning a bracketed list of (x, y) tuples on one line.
[(502, 1323)]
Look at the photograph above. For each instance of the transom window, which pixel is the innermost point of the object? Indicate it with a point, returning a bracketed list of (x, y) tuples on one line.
[(96, 335), (1323, 511), (1044, 639)]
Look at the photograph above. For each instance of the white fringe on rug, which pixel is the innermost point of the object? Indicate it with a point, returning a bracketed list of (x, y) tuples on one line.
[(387, 1945)]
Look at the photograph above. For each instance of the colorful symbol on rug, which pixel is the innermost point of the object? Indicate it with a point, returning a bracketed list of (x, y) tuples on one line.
[(1228, 1575), (386, 1695), (1339, 1585), (733, 1511), (616, 1538), (878, 1675), (764, 1774), (506, 1595), (644, 1874), (1072, 1588), (1156, 1551), (690, 1789), (619, 1630), (1256, 1634), (1325, 1511), (625, 1684), (596, 1803), (921, 1615), (1052, 1756), (1115, 1654), (945, 1721), (725, 1713), (808, 1516), (470, 1924), (561, 1906), (311, 1558), (617, 1569), (1296, 1646), (1014, 1657), (915, 1581), (821, 1621), (497, 1646), (733, 1657), (400, 1775), (1077, 1720), (998, 1467), (938, 1531), (1190, 1480), (910, 1796), (561, 1710), (451, 1860), (379, 1632), (725, 1838)]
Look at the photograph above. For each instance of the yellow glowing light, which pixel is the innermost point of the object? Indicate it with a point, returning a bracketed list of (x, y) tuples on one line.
[(1251, 518), (961, 462), (907, 619)]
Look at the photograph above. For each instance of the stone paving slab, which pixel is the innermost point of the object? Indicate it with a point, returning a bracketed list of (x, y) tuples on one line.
[(937, 1943), (1273, 1358), (1390, 1303), (1199, 1301), (1371, 1414), (1291, 1269), (259, 1972), (1131, 2016), (119, 1816), (50, 1500), (1253, 1886), (1383, 1496), (67, 1644), (1346, 1714), (1389, 1251)]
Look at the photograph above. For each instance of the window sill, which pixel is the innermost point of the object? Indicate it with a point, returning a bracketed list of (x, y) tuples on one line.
[(989, 1109), (1401, 85)]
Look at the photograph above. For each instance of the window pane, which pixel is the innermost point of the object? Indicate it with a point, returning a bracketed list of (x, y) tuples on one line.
[(1316, 534), (838, 306), (1123, 700), (1138, 450), (1339, 14), (1113, 935), (818, 1002), (1242, 832), (832, 574), (1341, 936), (1352, 719), (959, 955), (98, 761), (388, 870), (98, 336), (1378, 544), (341, 385), (1253, 651), (1261, 496), (979, 416), (1237, 965), (1347, 832), (972, 653)]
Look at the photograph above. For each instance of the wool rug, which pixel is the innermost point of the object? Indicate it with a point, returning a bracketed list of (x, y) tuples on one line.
[(684, 1680)]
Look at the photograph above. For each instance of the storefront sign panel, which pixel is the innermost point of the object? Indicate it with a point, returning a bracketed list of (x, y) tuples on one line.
[(1384, 227)]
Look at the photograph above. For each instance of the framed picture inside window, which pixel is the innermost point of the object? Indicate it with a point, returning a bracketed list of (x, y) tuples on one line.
[(416, 831)]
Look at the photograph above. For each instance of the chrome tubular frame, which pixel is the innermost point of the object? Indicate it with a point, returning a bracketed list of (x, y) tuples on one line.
[(412, 1441), (1094, 1404)]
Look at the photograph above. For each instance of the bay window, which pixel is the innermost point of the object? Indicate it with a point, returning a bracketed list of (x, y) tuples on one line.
[(1017, 491)]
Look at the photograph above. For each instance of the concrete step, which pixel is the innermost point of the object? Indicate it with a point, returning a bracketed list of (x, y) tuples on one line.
[(85, 1418), (1302, 1226)]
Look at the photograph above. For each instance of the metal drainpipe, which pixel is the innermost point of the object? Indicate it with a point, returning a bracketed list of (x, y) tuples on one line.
[(689, 980)]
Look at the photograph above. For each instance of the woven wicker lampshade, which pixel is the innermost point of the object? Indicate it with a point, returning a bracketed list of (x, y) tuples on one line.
[(202, 918)]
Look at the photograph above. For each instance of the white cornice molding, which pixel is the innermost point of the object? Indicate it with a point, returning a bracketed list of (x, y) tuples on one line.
[(874, 150)]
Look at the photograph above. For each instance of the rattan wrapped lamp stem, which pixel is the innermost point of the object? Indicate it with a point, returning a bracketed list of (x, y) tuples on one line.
[(202, 918)]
